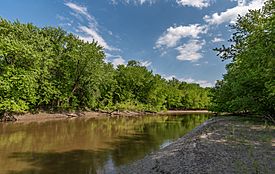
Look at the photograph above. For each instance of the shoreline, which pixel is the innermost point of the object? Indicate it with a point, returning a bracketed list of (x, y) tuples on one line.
[(219, 145), (44, 116), (174, 112)]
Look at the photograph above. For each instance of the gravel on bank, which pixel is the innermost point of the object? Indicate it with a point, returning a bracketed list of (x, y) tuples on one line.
[(220, 145)]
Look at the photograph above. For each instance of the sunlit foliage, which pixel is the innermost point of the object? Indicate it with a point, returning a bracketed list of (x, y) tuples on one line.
[(249, 85), (50, 69)]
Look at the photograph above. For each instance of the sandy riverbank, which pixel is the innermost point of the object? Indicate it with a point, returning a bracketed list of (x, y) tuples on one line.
[(220, 145)]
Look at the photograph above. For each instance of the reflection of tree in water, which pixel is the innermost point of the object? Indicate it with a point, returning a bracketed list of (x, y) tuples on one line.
[(73, 162), (122, 141), (151, 135)]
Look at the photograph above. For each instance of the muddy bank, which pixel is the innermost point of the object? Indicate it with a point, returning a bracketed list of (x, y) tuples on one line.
[(43, 116), (220, 145)]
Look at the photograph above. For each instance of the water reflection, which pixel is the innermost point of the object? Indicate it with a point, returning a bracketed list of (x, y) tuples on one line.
[(87, 146)]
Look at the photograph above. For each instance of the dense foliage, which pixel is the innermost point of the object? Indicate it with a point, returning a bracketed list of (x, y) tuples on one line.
[(249, 85), (49, 69)]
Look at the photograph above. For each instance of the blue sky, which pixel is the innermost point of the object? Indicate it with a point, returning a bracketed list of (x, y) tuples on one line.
[(173, 38)]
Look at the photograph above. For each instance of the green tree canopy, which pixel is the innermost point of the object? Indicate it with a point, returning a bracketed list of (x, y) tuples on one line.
[(50, 69), (249, 84)]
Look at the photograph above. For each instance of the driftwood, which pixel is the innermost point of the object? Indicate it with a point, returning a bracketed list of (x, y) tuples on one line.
[(76, 114), (126, 113), (110, 113), (7, 117), (104, 112), (115, 113), (150, 112)]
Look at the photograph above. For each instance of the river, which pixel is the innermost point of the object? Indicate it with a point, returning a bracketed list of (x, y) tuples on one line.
[(87, 146)]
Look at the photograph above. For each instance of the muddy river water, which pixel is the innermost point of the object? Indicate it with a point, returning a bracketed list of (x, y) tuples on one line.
[(87, 146)]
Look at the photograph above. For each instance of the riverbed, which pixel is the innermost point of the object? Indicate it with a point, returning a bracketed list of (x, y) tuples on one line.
[(81, 145)]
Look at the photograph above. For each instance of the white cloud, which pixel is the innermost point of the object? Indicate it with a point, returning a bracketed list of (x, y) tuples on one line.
[(90, 32), (62, 18), (115, 59), (217, 39), (169, 77), (118, 61), (194, 3), (108, 55), (202, 83), (174, 34), (190, 51), (137, 2), (230, 15), (64, 21), (145, 63), (79, 9)]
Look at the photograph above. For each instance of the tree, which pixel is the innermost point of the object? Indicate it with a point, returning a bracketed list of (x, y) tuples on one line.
[(46, 68), (249, 83), (50, 69)]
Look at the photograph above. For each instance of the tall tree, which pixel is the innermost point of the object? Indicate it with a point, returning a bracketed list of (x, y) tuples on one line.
[(249, 83)]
